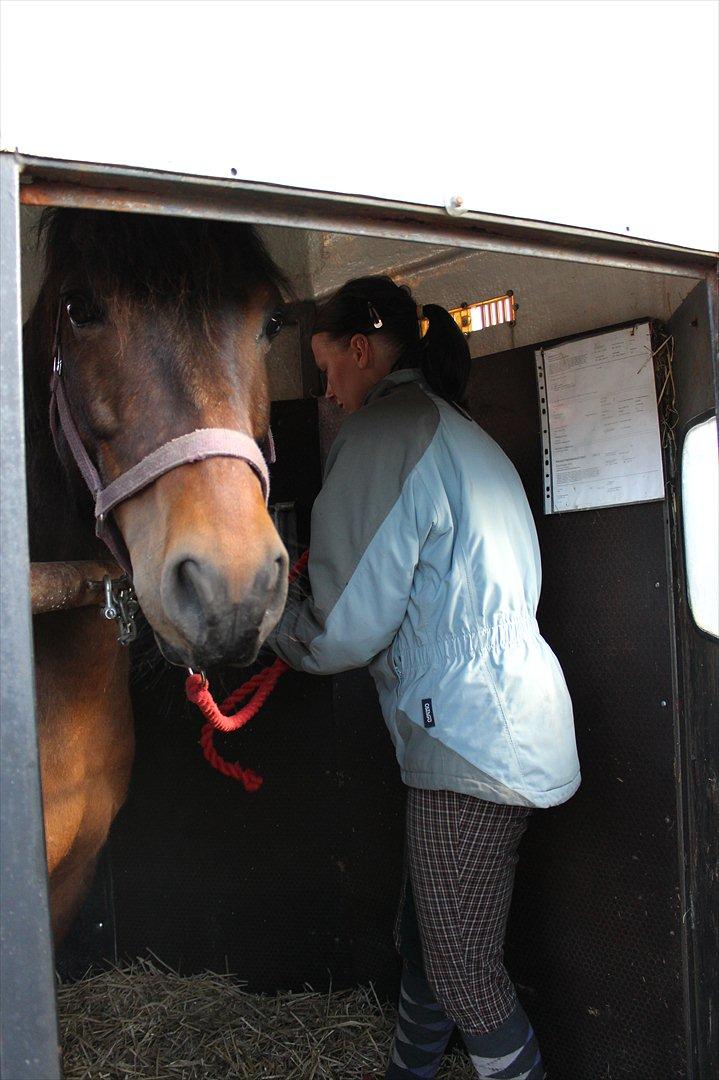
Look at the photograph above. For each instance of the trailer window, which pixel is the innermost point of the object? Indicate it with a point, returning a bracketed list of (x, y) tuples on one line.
[(700, 504)]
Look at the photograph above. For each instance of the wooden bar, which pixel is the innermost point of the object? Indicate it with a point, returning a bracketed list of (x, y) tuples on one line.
[(58, 586)]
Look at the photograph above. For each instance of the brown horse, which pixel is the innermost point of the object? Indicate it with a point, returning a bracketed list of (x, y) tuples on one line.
[(163, 325)]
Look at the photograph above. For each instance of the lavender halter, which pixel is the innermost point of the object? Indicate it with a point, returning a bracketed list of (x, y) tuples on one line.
[(194, 446)]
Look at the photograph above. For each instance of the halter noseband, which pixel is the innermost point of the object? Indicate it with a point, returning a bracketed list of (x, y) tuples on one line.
[(194, 446)]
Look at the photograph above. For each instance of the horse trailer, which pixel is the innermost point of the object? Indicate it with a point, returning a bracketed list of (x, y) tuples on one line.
[(613, 938)]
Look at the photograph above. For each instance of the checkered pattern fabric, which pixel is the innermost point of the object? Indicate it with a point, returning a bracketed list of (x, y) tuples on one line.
[(461, 858)]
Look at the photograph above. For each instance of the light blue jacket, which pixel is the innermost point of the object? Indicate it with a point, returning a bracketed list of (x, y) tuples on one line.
[(424, 563)]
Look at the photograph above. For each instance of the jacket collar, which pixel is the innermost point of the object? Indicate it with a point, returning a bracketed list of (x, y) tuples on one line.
[(388, 384)]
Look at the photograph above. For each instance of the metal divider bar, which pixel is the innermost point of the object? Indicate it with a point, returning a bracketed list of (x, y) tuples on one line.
[(28, 1022)]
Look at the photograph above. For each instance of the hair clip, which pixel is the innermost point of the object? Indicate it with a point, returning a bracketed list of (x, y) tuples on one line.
[(374, 316)]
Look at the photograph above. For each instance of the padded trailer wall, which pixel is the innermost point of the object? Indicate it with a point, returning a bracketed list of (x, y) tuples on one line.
[(299, 883)]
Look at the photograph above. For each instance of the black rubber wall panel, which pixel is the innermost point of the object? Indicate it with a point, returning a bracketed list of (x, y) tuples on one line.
[(294, 884), (594, 937)]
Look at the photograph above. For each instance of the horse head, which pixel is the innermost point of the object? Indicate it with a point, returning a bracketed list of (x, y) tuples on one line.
[(163, 326)]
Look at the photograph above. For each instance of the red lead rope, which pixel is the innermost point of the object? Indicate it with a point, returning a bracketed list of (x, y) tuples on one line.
[(222, 718)]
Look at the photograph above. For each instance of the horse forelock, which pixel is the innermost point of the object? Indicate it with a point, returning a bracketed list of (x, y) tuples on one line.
[(184, 267), (180, 288)]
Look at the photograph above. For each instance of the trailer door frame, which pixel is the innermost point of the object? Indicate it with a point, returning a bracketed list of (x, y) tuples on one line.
[(28, 1020)]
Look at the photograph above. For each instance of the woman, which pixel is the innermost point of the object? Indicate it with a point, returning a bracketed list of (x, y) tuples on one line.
[(424, 564)]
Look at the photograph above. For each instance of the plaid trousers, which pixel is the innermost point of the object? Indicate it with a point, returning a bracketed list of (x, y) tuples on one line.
[(461, 854)]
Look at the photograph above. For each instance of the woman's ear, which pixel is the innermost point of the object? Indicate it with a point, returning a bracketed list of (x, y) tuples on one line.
[(360, 345)]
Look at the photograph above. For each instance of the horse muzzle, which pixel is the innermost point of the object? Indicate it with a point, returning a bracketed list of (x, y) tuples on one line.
[(208, 625)]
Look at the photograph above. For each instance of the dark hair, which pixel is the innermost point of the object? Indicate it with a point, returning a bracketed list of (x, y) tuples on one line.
[(376, 305)]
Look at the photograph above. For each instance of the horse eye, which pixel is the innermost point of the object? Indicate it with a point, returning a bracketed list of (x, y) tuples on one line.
[(81, 311), (274, 326)]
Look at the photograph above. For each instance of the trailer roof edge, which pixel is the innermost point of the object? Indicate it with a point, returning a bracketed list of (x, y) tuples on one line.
[(115, 187)]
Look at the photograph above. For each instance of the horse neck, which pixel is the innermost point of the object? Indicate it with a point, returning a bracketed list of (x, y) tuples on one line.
[(60, 529)]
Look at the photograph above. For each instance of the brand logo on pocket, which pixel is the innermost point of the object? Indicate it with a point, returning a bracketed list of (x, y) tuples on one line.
[(427, 714)]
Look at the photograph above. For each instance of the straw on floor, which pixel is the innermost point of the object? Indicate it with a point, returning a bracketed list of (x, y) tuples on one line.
[(144, 1020)]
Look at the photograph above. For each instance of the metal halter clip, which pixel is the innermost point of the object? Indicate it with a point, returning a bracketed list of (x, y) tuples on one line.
[(121, 605)]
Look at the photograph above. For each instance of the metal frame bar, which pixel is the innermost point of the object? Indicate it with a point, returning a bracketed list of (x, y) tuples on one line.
[(28, 1022), (694, 681), (57, 183)]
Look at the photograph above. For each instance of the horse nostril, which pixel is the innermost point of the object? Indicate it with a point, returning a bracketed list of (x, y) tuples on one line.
[(280, 568), (196, 586), (272, 580)]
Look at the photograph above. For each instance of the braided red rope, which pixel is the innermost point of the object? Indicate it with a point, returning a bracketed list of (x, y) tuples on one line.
[(258, 688)]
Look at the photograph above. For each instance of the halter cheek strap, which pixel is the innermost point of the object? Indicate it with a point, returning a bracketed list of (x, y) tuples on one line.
[(195, 446)]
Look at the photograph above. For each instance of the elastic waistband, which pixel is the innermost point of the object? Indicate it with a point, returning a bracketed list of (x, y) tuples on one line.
[(504, 631)]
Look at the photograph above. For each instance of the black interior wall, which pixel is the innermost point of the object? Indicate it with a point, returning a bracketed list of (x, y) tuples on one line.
[(294, 884), (298, 883), (594, 940)]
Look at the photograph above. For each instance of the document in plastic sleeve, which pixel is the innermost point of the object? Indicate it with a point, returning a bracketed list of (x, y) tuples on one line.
[(600, 426)]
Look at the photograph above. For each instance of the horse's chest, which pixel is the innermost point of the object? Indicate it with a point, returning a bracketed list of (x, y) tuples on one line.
[(84, 725)]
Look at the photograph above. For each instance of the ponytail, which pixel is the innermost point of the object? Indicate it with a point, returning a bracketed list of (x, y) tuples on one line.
[(445, 359), (376, 305)]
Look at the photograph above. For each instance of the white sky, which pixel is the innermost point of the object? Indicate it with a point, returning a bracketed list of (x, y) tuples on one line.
[(599, 113)]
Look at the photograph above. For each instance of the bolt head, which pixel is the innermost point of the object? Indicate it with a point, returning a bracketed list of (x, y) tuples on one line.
[(455, 205)]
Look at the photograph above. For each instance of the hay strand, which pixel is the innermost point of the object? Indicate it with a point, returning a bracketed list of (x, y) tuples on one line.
[(144, 1020)]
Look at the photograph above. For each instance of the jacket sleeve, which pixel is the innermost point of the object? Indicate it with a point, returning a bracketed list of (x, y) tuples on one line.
[(368, 524)]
